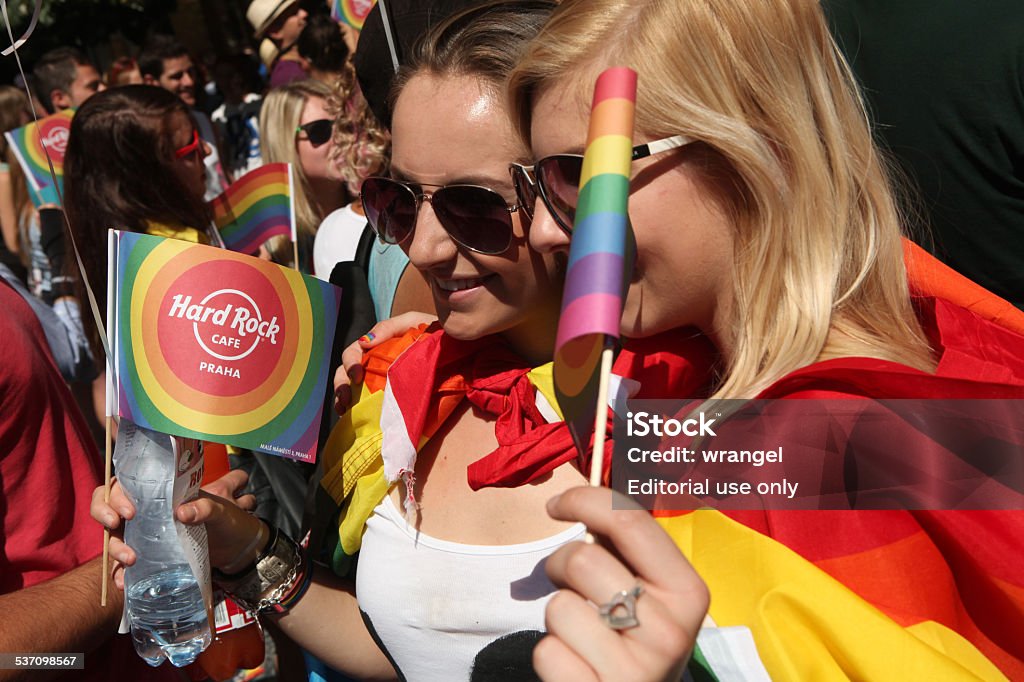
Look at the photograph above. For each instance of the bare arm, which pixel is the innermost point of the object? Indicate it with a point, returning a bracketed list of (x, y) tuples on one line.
[(62, 615), (326, 621)]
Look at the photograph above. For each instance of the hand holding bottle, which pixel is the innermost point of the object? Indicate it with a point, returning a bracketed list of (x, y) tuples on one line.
[(225, 490)]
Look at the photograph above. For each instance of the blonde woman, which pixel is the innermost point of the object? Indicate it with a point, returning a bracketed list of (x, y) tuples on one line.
[(764, 217), (361, 148), (296, 127)]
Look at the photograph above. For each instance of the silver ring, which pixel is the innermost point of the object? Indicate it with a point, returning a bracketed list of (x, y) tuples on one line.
[(619, 613)]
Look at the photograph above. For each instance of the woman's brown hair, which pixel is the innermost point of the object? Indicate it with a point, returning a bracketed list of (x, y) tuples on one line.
[(120, 172)]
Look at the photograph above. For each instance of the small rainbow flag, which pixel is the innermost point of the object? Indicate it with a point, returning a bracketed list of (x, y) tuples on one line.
[(28, 144), (255, 208), (352, 12), (219, 346), (593, 297)]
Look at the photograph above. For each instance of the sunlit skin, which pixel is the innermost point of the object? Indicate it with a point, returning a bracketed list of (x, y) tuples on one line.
[(682, 274), (191, 167), (454, 130), (449, 130)]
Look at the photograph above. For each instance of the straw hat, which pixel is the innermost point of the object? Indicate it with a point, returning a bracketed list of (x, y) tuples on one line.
[(262, 13)]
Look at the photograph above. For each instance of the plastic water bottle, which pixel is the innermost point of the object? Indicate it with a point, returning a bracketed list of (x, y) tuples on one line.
[(164, 599)]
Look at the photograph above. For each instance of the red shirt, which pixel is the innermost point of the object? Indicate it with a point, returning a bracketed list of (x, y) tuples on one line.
[(48, 470)]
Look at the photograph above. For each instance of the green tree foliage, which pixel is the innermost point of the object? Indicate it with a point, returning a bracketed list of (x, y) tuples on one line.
[(86, 23)]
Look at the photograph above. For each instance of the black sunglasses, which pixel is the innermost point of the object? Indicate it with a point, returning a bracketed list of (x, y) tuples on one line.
[(318, 132), (475, 217), (556, 179)]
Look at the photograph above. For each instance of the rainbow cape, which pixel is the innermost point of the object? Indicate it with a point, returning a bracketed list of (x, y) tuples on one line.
[(255, 208), (219, 346), (31, 143), (593, 295), (880, 595)]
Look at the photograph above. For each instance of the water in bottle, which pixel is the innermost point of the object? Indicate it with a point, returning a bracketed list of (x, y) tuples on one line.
[(165, 601)]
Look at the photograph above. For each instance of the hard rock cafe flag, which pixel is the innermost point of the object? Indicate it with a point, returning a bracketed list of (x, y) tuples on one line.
[(28, 144), (219, 346)]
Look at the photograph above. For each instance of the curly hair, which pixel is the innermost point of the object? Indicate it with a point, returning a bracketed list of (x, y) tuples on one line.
[(362, 145)]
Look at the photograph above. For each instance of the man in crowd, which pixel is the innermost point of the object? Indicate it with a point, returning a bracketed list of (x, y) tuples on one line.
[(65, 78), (165, 63)]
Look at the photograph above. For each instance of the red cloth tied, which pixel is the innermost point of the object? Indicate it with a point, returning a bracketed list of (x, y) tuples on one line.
[(494, 379), (430, 379), (528, 446)]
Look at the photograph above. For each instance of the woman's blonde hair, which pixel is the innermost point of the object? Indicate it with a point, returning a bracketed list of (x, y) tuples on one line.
[(362, 146), (818, 267), (279, 117)]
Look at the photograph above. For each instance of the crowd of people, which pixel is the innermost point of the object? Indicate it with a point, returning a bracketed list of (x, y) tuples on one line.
[(448, 531)]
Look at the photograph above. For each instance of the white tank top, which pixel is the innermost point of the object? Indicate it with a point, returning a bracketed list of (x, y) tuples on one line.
[(446, 611)]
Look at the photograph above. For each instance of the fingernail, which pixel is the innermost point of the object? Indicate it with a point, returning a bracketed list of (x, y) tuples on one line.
[(188, 514), (367, 337), (124, 512), (110, 521)]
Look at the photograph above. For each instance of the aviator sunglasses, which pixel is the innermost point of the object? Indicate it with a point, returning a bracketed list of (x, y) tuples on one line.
[(475, 217), (556, 179), (318, 132)]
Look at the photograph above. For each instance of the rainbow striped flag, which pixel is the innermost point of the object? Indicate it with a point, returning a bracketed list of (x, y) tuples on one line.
[(31, 144), (845, 595), (593, 296), (219, 346), (255, 208), (351, 12)]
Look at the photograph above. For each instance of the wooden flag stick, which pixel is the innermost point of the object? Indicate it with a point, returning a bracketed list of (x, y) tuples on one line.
[(295, 250), (600, 423), (106, 498), (601, 417)]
